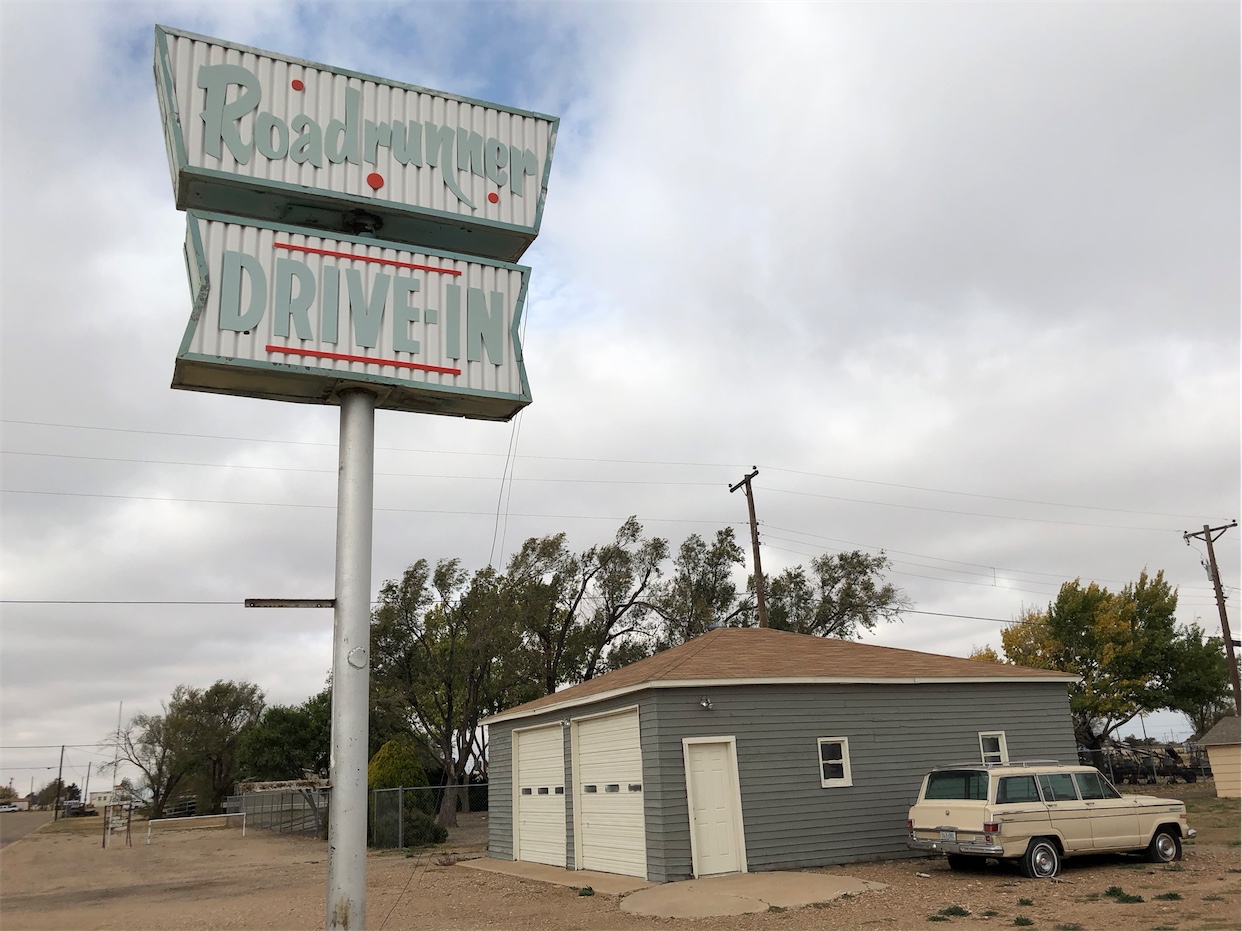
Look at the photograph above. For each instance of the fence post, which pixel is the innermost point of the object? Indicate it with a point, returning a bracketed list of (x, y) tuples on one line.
[(401, 819)]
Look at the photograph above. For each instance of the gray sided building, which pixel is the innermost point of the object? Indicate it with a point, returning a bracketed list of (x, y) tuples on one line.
[(747, 750)]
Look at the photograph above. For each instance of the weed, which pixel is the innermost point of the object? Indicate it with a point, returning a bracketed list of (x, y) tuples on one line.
[(1026, 901), (1168, 897), (1213, 898), (1120, 895), (1023, 922), (937, 918), (586, 890), (777, 908), (989, 913), (955, 911), (1070, 926), (1114, 891)]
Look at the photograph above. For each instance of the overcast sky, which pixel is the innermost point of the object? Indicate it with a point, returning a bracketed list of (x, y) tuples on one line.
[(961, 279)]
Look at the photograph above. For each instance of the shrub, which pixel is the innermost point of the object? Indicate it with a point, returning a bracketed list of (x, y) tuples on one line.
[(1023, 922), (955, 911)]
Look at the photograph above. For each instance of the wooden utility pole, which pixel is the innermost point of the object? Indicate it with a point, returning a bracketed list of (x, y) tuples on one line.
[(1207, 535), (760, 605), (60, 770)]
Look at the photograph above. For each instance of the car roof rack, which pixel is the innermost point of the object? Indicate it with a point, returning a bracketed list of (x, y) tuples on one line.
[(976, 764)]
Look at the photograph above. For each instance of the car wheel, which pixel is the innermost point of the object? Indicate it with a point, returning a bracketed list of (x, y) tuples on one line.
[(1042, 860), (1165, 846), (963, 863)]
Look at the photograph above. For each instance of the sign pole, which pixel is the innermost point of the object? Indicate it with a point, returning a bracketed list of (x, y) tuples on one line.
[(347, 812)]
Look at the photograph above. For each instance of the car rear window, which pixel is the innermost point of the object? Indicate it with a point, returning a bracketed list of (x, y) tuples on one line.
[(1016, 789), (958, 784)]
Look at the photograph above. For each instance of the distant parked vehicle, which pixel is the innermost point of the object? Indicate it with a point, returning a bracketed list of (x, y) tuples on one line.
[(9, 808)]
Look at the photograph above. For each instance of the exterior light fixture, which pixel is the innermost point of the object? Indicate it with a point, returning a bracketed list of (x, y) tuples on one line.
[(705, 703)]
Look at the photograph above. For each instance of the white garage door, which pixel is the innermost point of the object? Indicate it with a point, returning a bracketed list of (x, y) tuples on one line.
[(610, 795), (539, 815)]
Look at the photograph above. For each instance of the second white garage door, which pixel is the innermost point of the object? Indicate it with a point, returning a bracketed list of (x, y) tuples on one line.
[(609, 795)]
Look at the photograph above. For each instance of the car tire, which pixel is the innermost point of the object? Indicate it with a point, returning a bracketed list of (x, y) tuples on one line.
[(961, 863), (1165, 846), (1042, 859)]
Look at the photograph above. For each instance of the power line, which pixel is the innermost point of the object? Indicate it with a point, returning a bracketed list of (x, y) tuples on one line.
[(597, 459)]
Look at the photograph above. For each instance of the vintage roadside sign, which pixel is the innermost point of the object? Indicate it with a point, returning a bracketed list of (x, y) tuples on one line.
[(265, 136), (292, 314)]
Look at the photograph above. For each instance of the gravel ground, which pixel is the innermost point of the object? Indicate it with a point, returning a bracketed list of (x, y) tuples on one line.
[(215, 879)]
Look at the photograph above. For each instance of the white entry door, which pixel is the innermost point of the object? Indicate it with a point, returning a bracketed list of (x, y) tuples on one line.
[(716, 840), (539, 786), (609, 795)]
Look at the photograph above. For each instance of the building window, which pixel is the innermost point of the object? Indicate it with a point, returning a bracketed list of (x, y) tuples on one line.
[(834, 762), (992, 747)]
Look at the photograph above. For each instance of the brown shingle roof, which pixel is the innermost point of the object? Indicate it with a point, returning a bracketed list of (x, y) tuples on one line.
[(753, 655), (1225, 732)]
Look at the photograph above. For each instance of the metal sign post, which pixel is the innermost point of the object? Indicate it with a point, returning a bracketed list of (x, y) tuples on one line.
[(347, 810)]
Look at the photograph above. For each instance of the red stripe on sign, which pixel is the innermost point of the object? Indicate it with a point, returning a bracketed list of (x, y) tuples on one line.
[(366, 258), (289, 350)]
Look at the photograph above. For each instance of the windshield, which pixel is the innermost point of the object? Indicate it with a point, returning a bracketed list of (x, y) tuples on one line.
[(958, 784)]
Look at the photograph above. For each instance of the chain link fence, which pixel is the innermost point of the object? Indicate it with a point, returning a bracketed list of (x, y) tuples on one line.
[(285, 811), (403, 818)]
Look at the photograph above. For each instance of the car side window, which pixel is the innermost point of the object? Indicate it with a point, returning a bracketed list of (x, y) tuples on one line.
[(1016, 789), (1058, 787), (1093, 785)]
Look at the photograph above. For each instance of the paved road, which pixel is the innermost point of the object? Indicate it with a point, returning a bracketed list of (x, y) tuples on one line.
[(17, 824)]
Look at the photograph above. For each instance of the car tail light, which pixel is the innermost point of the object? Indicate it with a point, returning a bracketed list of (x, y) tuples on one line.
[(991, 827), (909, 825)]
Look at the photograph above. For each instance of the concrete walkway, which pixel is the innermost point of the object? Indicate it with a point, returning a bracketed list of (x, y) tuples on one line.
[(735, 894)]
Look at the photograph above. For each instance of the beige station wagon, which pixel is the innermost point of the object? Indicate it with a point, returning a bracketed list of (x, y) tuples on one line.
[(1037, 813)]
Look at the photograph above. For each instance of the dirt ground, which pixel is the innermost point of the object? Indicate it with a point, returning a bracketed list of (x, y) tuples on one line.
[(213, 878)]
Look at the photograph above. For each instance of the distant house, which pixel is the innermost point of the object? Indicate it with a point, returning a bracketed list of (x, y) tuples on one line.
[(1224, 750), (747, 750)]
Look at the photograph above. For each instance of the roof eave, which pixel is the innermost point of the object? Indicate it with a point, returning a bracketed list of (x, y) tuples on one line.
[(576, 702)]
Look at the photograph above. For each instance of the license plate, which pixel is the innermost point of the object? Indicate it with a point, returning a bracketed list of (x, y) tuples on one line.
[(948, 835)]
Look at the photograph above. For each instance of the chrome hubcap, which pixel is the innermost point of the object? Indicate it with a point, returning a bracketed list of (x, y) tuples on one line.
[(1165, 847), (1045, 861)]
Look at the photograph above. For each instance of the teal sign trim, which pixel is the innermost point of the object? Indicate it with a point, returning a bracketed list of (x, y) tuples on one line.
[(306, 384)]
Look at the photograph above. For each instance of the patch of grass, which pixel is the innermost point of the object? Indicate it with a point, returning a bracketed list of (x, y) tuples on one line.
[(1117, 894), (1070, 926), (1213, 898), (937, 918), (1023, 922), (955, 911), (1232, 870), (586, 890), (989, 913), (1235, 843), (1164, 928), (1168, 897), (1114, 891), (1026, 901), (777, 908)]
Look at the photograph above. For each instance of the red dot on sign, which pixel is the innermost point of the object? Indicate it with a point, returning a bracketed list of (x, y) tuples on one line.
[(376, 180), (298, 85), (494, 197)]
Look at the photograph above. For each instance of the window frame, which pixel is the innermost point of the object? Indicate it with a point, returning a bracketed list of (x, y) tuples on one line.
[(1002, 751), (847, 775)]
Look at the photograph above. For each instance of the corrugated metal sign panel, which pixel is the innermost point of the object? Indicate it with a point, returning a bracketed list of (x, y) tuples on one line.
[(274, 138), (292, 314)]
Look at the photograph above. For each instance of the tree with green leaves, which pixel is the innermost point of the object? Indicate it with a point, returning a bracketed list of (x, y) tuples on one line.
[(701, 593), (288, 741), (215, 719), (842, 595), (579, 612), (1126, 646), (440, 644)]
